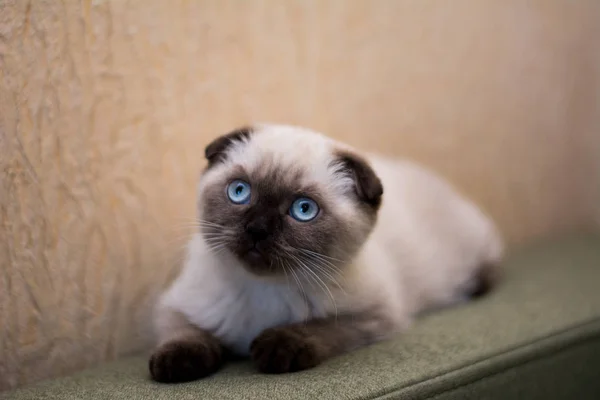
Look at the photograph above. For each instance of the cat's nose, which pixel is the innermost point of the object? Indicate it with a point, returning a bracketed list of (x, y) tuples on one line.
[(257, 231)]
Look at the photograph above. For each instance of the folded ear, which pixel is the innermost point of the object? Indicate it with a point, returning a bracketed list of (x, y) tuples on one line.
[(215, 151), (368, 185)]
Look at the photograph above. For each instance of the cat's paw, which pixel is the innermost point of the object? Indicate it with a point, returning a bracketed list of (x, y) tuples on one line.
[(280, 350), (185, 360)]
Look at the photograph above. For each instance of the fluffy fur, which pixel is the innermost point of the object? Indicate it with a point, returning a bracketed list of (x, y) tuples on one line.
[(304, 292)]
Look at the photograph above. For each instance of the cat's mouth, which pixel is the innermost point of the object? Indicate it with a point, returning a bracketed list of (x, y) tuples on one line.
[(254, 256), (257, 260)]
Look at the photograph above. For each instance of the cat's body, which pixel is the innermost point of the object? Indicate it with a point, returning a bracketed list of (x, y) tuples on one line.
[(367, 267)]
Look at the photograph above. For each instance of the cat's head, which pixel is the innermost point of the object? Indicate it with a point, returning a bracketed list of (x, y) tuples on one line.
[(283, 198)]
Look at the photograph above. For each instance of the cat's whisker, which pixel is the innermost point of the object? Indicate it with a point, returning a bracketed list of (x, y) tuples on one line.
[(324, 267), (323, 271), (185, 221), (207, 230), (184, 226), (317, 264), (210, 235), (215, 240), (287, 278), (301, 268), (197, 225), (324, 262), (209, 223), (180, 236), (193, 219), (321, 255), (198, 229), (299, 284), (217, 249), (317, 279)]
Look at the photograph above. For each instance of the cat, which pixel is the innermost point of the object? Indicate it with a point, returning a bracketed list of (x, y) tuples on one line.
[(300, 257)]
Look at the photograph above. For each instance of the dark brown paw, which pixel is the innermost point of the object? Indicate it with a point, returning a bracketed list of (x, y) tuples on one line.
[(185, 360), (280, 350)]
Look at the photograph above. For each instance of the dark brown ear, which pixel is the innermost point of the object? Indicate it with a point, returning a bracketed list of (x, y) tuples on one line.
[(215, 151), (368, 186)]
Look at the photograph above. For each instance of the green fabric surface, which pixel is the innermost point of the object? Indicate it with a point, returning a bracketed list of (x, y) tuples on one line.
[(569, 373), (536, 336)]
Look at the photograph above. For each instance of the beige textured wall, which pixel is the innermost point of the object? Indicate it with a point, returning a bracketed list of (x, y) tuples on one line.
[(105, 107)]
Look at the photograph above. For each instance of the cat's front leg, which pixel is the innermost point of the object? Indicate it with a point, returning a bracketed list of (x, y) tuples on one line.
[(185, 352), (304, 345)]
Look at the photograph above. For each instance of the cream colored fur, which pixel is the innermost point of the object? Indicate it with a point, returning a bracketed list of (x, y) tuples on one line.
[(422, 253)]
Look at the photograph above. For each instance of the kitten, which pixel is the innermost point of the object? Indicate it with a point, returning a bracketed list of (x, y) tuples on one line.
[(299, 257)]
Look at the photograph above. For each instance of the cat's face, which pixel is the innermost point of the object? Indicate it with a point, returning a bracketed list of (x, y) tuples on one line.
[(286, 201)]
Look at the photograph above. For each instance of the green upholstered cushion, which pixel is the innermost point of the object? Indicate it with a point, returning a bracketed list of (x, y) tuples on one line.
[(536, 336)]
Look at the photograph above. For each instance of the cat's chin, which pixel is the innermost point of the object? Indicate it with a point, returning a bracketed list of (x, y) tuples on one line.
[(255, 258), (257, 263), (261, 266)]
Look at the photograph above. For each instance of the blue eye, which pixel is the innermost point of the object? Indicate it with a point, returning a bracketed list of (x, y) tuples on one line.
[(304, 209), (239, 192)]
